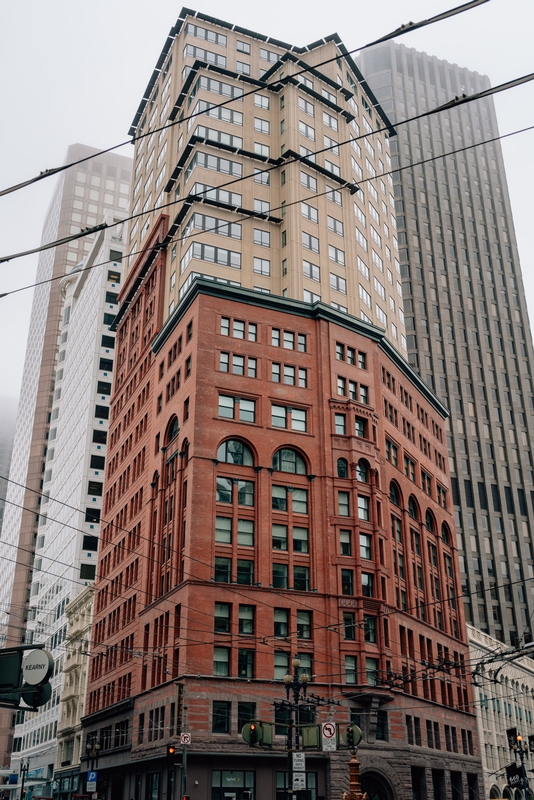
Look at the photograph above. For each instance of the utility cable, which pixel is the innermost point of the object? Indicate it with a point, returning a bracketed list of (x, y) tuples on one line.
[(247, 217), (456, 102), (400, 31)]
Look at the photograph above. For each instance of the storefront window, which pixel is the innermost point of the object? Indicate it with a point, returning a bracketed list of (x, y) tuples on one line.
[(230, 784)]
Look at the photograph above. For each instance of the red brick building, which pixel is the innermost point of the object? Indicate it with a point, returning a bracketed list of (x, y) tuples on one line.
[(276, 485)]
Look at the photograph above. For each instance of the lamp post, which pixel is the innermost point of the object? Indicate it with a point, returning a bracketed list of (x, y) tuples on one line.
[(521, 749), (24, 767), (296, 685), (92, 748)]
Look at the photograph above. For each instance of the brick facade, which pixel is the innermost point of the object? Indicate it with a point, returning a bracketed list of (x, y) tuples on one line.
[(219, 562)]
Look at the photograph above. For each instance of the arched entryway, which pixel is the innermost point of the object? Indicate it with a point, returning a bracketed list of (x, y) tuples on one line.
[(376, 786)]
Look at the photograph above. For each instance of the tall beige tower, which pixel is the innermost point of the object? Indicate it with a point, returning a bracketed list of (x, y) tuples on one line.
[(252, 201)]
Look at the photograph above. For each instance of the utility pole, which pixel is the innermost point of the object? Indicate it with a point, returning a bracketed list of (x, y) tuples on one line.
[(24, 767), (184, 757), (297, 685)]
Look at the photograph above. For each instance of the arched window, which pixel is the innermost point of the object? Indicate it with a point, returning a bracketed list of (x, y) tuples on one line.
[(287, 460), (445, 533), (394, 494), (413, 511), (235, 452), (172, 430), (429, 522), (342, 468), (362, 471)]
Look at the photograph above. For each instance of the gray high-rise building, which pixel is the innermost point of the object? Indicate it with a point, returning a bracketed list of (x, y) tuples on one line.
[(466, 320), (80, 199)]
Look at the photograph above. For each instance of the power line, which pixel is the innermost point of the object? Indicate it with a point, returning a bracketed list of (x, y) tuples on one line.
[(400, 31), (456, 102), (246, 217), (336, 624)]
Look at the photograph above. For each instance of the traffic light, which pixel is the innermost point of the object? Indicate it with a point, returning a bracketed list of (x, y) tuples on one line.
[(252, 733), (171, 750), (352, 736)]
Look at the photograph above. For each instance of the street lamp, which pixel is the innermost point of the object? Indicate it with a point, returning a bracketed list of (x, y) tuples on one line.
[(93, 748), (521, 749), (296, 685)]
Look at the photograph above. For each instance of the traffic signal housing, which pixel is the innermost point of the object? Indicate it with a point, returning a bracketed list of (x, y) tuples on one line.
[(171, 750), (252, 733), (352, 736)]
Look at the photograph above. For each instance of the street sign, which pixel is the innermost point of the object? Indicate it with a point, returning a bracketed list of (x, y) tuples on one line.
[(37, 667), (329, 736), (299, 781), (91, 781), (299, 762), (185, 738)]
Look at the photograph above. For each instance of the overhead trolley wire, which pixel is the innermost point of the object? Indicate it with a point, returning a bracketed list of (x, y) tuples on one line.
[(400, 31), (244, 218)]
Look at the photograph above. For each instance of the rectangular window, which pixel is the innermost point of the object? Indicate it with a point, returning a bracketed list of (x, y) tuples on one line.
[(363, 507), (309, 212), (311, 271), (307, 131), (369, 629), (291, 418), (223, 570), (280, 576), (245, 663), (300, 540), (367, 584), (245, 532), (301, 578), (281, 622), (245, 712), (279, 536), (345, 543), (349, 626), (343, 504), (350, 669), (220, 718), (306, 106), (223, 530), (262, 266), (340, 424), (221, 661), (281, 667), (360, 427), (330, 121), (304, 624), (365, 546), (222, 618), (347, 582), (308, 181), (336, 255), (245, 572), (310, 242), (338, 283), (237, 408), (391, 453)]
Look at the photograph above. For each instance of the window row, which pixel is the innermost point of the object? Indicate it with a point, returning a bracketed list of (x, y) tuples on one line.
[(284, 621), (243, 410)]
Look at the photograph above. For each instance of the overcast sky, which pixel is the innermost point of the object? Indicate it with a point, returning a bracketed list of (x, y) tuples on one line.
[(75, 72)]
